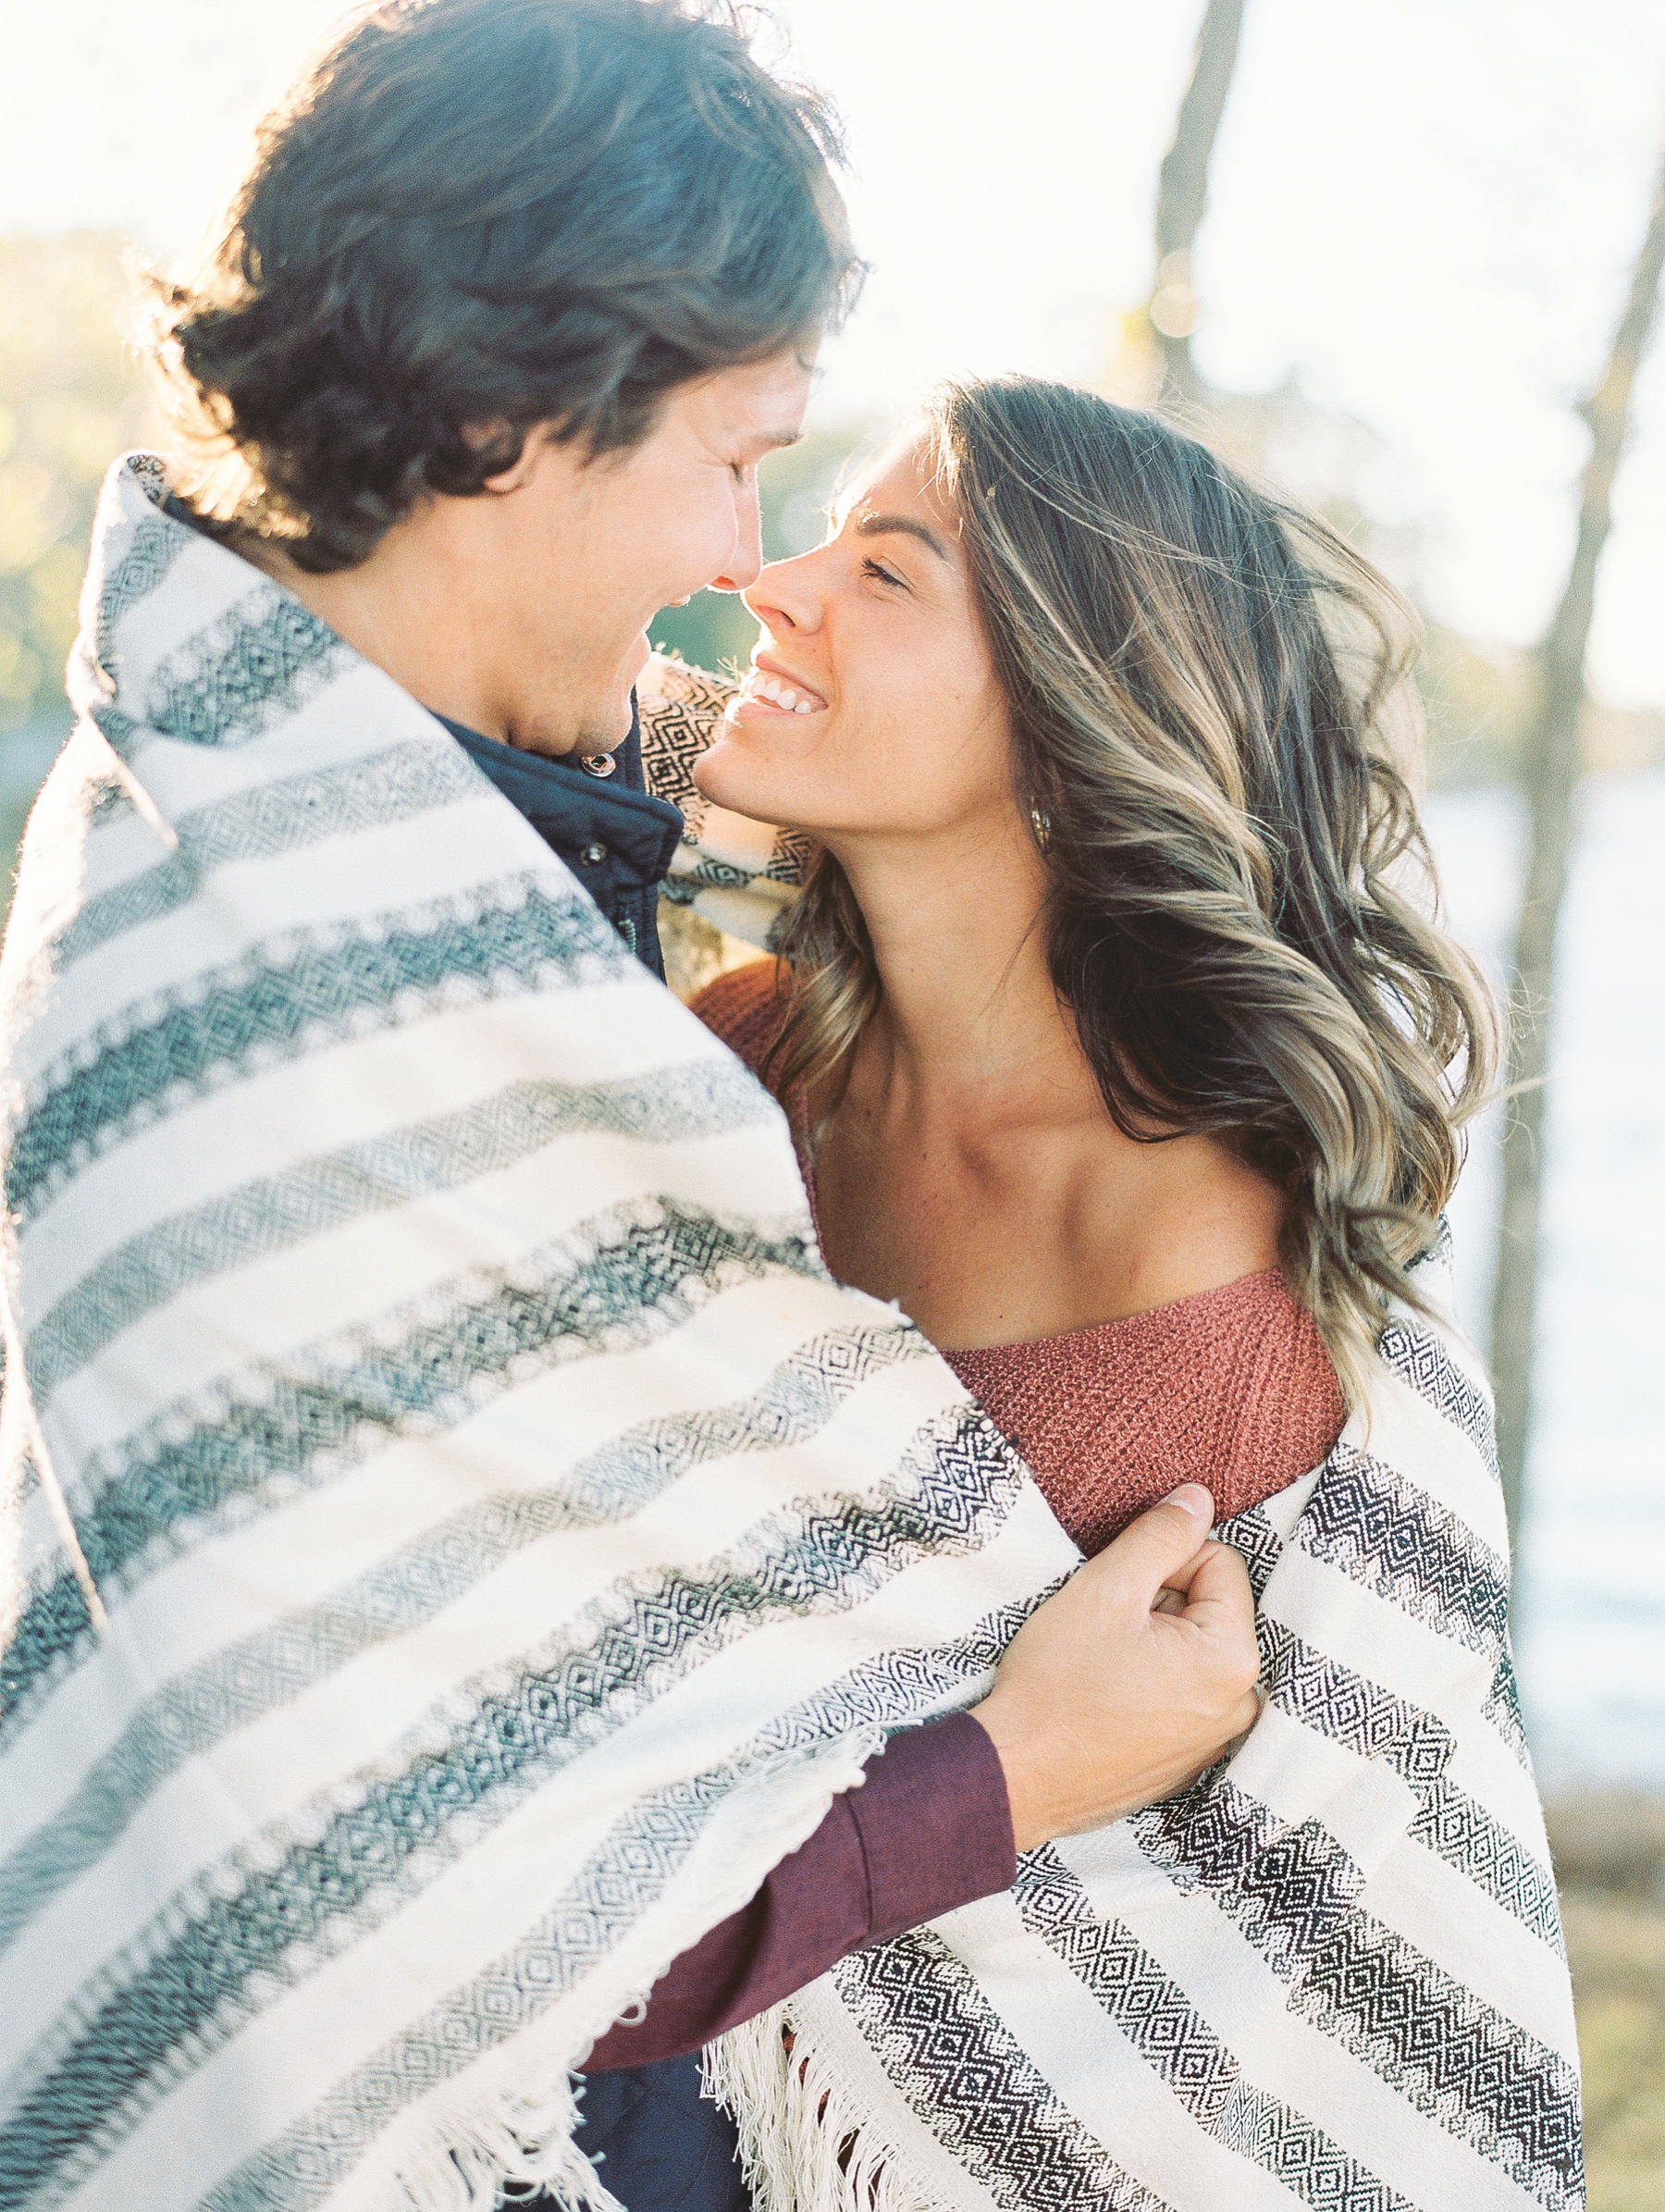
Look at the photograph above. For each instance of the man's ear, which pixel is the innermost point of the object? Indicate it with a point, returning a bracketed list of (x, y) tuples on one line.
[(535, 444)]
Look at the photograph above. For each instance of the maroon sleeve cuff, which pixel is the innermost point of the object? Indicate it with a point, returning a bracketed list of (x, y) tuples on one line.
[(936, 1825), (929, 1829)]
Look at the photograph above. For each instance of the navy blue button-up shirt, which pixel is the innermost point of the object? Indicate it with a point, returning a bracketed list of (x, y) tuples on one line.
[(617, 840)]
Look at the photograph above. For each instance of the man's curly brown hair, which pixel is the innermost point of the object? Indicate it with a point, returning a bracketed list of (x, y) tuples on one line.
[(470, 217)]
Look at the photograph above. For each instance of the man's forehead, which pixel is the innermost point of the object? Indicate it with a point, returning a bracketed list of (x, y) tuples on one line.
[(764, 401)]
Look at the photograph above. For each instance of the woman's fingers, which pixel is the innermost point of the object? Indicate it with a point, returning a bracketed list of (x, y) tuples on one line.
[(1157, 1550), (1214, 1577), (1105, 1697)]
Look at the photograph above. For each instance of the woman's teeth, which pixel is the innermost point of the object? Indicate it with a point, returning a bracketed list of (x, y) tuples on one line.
[(784, 696)]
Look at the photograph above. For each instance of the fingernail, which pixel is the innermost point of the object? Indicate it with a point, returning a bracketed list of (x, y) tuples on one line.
[(1191, 1498)]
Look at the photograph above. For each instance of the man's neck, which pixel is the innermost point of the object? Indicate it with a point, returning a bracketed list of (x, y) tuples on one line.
[(415, 608)]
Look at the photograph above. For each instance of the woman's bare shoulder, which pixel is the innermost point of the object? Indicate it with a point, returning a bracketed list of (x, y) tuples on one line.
[(744, 1006)]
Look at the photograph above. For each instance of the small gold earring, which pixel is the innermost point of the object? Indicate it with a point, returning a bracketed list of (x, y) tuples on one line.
[(1041, 825)]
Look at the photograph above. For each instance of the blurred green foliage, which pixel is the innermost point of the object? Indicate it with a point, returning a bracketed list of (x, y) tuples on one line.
[(71, 399), (72, 396)]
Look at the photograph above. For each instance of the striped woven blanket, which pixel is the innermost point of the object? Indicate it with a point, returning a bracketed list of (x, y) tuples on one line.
[(460, 1538)]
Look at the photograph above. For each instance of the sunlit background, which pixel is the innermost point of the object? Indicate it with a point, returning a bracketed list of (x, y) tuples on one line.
[(1423, 215)]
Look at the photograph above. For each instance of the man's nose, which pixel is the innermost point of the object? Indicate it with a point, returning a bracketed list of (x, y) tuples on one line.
[(745, 563)]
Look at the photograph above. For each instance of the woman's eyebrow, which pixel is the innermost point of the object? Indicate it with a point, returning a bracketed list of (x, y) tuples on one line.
[(892, 525)]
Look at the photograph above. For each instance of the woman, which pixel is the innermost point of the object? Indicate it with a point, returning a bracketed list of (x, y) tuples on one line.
[(1121, 1052), (1118, 1055)]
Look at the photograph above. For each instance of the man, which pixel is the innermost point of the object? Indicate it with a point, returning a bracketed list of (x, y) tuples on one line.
[(469, 1538)]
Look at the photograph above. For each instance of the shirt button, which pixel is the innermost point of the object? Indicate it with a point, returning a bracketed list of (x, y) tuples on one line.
[(593, 854), (597, 764)]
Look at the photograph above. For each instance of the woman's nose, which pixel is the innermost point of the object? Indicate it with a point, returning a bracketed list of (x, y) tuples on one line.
[(784, 597)]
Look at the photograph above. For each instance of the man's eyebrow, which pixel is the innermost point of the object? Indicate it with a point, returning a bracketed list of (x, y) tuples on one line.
[(903, 525)]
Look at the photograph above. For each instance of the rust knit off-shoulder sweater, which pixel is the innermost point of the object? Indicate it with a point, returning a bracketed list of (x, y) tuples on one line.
[(1231, 1388)]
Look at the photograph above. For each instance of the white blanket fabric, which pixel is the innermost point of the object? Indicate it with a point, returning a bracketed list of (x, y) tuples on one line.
[(464, 1539)]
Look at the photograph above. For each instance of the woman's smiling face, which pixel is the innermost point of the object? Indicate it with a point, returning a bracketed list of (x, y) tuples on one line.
[(871, 704)]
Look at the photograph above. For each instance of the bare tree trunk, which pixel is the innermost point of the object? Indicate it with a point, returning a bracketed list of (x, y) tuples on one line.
[(1550, 773), (1182, 195)]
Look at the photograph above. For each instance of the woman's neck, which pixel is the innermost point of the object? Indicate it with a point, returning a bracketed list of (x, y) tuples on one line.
[(970, 1167), (969, 1017)]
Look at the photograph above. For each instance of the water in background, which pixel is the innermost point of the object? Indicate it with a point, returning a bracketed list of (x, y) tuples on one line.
[(1590, 1634), (1591, 1624)]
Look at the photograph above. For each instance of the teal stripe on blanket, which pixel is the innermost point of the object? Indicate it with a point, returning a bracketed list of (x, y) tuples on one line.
[(1290, 1884), (1333, 1700), (275, 1212), (301, 2167), (215, 1961), (399, 784), (1327, 1696), (1321, 1692), (199, 1708), (618, 1281), (1465, 2067), (260, 663), (1502, 1709), (108, 801), (148, 552), (1336, 1701), (1458, 1829), (1413, 1352), (327, 984)]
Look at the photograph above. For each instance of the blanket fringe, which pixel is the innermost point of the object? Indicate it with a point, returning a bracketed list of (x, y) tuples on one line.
[(518, 2125), (805, 2146), (490, 2160)]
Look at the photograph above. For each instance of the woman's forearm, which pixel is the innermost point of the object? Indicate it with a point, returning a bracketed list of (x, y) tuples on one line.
[(930, 1829)]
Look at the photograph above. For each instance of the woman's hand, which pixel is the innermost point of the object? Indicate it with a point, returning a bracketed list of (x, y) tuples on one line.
[(1114, 1693)]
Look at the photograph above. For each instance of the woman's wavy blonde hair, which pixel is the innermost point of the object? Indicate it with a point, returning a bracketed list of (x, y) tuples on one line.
[(1215, 725)]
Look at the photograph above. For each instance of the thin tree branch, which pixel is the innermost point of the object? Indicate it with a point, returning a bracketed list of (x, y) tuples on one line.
[(1549, 771), (1182, 192)]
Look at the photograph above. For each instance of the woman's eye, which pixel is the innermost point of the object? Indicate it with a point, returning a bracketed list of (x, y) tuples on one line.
[(879, 574)]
